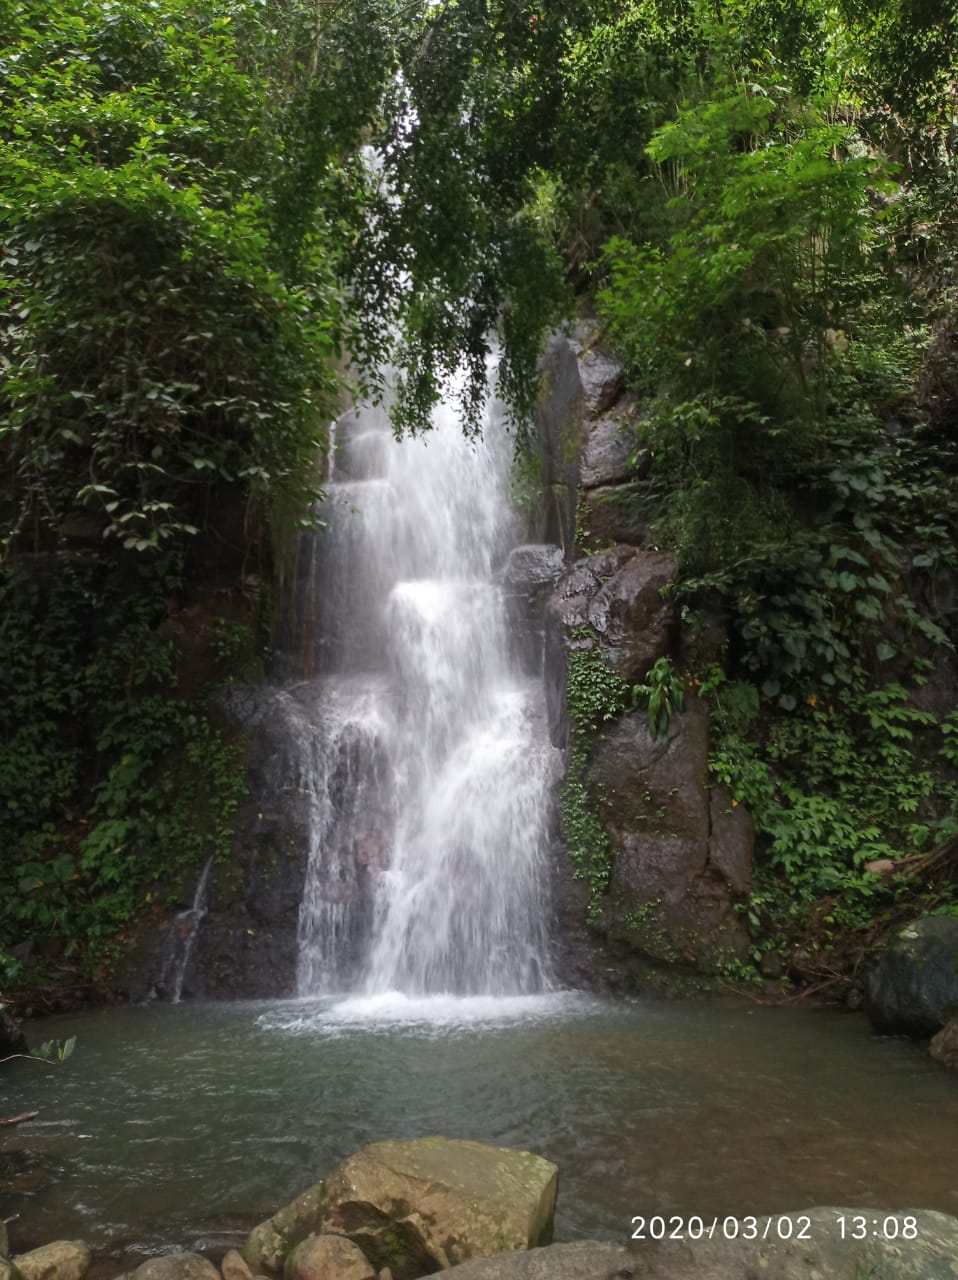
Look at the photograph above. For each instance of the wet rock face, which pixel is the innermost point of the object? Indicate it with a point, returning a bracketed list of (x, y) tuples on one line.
[(561, 437), (944, 1046), (682, 855), (12, 1039), (913, 988)]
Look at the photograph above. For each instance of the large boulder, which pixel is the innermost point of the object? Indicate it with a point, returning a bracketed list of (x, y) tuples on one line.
[(633, 615), (176, 1266), (328, 1258), (419, 1206), (61, 1260), (817, 1251), (682, 853), (620, 598), (600, 372), (533, 566), (913, 988), (614, 513), (610, 454)]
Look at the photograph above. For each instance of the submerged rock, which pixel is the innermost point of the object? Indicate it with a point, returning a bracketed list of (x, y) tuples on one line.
[(944, 1046), (821, 1252), (61, 1260), (913, 989), (328, 1258), (12, 1039), (419, 1206)]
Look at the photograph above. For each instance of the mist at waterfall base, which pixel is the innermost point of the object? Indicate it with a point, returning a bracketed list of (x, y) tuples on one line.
[(424, 754), (182, 1125)]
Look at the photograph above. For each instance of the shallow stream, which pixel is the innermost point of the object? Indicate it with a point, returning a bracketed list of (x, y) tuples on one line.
[(184, 1125)]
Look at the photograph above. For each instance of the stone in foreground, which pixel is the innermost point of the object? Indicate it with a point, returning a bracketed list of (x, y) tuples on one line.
[(821, 1255), (176, 1266), (61, 1260), (420, 1206), (328, 1258)]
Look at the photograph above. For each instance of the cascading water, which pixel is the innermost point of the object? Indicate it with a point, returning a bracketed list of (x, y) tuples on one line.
[(426, 764)]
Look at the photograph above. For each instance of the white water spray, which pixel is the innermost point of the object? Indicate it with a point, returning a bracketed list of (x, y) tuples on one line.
[(428, 768)]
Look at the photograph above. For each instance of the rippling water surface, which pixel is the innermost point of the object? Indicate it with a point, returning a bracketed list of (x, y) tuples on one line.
[(176, 1125)]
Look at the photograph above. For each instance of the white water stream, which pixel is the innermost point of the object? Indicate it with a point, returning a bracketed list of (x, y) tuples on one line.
[(429, 771)]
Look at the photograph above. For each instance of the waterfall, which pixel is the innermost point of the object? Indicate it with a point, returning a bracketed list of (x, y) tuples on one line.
[(426, 761), (179, 950)]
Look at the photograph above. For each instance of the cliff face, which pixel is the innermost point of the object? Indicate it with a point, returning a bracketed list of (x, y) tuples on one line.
[(660, 859)]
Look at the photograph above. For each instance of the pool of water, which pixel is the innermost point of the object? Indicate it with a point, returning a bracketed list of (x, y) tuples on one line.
[(184, 1124)]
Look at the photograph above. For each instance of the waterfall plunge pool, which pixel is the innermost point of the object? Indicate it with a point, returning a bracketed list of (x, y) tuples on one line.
[(184, 1125)]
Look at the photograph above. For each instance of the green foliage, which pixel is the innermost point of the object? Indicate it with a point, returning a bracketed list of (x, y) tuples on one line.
[(595, 695), (113, 783), (56, 1050), (833, 787), (665, 692), (155, 350)]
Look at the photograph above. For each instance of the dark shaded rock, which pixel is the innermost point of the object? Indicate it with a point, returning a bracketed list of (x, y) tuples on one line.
[(944, 1046), (611, 455), (731, 840), (855, 1000), (614, 513), (532, 566), (600, 371), (12, 1039), (578, 586), (562, 436), (328, 1257), (632, 614), (913, 989), (668, 899), (404, 1246), (770, 965), (816, 1251), (655, 802)]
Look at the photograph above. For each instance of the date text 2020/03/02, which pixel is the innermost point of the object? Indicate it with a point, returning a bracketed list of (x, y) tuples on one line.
[(780, 1227)]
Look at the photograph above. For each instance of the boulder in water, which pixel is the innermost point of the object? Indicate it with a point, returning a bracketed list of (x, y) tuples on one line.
[(12, 1039), (61, 1260), (913, 989), (328, 1258), (944, 1046), (419, 1206)]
